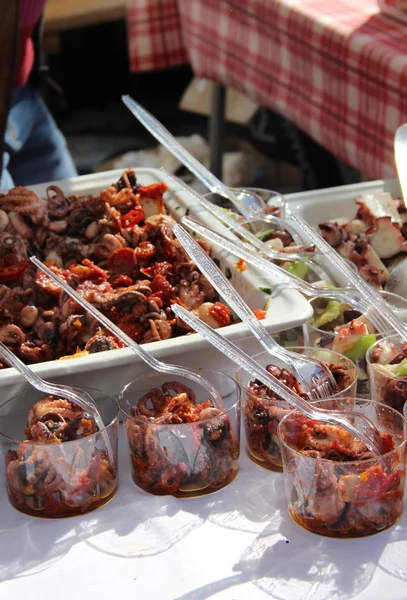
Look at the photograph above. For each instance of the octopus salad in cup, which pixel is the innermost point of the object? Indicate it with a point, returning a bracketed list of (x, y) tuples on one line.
[(263, 409), (335, 486), (178, 445), (64, 466)]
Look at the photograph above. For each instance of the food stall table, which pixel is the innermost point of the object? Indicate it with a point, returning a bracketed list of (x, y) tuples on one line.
[(238, 543), (337, 69)]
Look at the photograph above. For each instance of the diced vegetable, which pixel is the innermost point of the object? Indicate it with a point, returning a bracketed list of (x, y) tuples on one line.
[(360, 347), (298, 269), (330, 313)]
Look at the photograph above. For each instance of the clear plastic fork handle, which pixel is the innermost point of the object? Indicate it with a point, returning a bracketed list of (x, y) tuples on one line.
[(236, 302), (224, 217), (378, 306), (198, 169), (155, 364), (370, 436), (347, 295)]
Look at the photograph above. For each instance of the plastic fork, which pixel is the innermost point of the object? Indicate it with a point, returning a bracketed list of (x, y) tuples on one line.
[(148, 358), (358, 425), (380, 308), (316, 378), (247, 203), (238, 227), (350, 296)]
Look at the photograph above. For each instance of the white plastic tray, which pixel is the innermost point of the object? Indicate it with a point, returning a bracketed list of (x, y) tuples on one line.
[(286, 309), (320, 205)]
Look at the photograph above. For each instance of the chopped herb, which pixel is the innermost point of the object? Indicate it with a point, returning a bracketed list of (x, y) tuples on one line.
[(263, 233), (266, 290), (228, 273), (194, 233), (187, 212), (216, 261), (177, 207)]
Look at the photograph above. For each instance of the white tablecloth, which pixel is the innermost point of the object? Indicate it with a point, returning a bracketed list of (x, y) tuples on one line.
[(237, 544)]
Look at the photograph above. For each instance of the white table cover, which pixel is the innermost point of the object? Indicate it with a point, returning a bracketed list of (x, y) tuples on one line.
[(236, 544)]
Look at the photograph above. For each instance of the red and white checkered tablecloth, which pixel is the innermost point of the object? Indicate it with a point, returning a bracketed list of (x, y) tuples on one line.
[(337, 68)]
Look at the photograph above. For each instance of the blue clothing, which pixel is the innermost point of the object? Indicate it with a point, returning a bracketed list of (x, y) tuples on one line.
[(35, 149)]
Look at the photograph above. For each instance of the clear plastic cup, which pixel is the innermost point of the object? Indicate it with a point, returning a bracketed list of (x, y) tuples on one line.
[(54, 480), (183, 459), (327, 337), (343, 498), (386, 388), (263, 411)]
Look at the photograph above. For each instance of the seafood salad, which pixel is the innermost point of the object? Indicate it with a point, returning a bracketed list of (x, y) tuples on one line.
[(264, 409), (375, 240), (336, 326), (117, 249), (179, 446), (388, 369), (335, 486), (48, 477)]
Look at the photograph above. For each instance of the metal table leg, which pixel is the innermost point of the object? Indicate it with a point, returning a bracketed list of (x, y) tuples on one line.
[(216, 128)]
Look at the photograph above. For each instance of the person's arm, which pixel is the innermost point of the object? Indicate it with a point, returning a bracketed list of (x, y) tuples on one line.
[(9, 11)]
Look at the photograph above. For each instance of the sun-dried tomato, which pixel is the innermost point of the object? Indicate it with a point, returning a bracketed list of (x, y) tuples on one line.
[(133, 217), (160, 284), (156, 190), (120, 281), (122, 261), (13, 272), (221, 314), (88, 271), (144, 252)]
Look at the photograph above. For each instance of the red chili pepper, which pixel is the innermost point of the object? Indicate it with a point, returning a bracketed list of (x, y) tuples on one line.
[(132, 218), (156, 190), (13, 272)]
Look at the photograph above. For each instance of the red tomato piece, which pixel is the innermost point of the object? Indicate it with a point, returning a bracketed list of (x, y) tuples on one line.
[(260, 314), (122, 262), (221, 314), (47, 284), (160, 284), (13, 272), (144, 252), (156, 190)]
